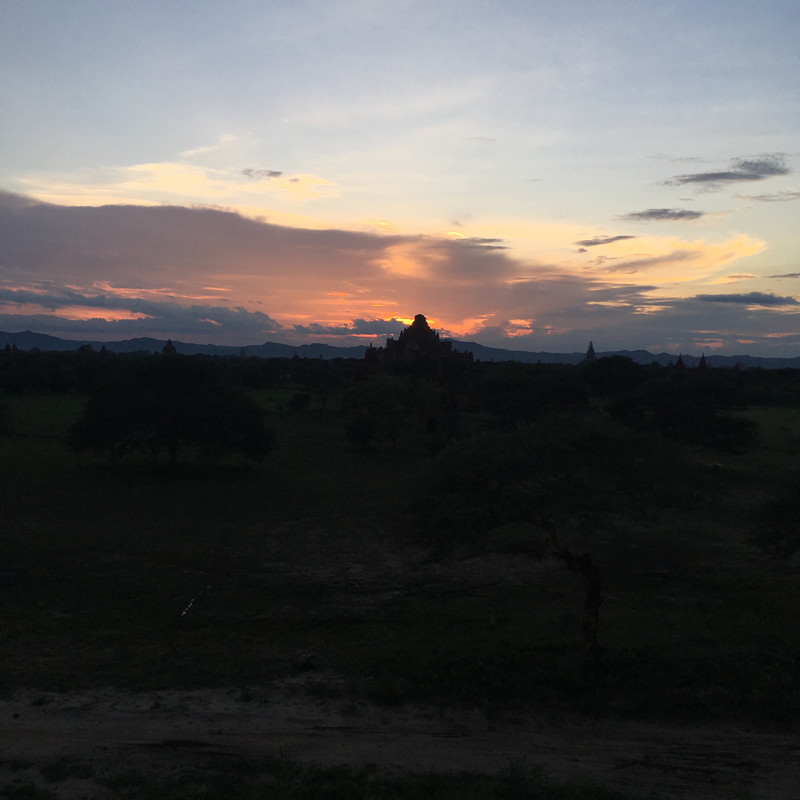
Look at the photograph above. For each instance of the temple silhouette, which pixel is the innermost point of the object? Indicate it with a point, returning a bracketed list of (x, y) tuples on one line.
[(418, 342)]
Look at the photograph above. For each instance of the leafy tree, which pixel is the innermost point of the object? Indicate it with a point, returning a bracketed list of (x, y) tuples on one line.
[(517, 394), (776, 527), (690, 407), (161, 404), (382, 407), (299, 401), (567, 478), (5, 420), (614, 375)]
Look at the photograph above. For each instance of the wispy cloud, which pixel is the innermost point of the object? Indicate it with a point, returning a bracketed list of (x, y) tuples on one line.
[(261, 174), (48, 300), (633, 265), (674, 260), (478, 241), (666, 157), (226, 138), (177, 183), (599, 240), (663, 215), (741, 169), (779, 197), (358, 327)]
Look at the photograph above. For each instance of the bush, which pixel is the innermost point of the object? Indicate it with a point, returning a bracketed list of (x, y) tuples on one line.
[(165, 403)]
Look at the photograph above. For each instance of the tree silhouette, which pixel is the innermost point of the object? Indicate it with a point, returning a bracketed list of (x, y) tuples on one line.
[(567, 480), (688, 405), (614, 375), (162, 404), (375, 410), (5, 420)]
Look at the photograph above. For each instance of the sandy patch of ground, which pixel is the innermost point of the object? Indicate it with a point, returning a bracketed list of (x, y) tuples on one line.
[(114, 731)]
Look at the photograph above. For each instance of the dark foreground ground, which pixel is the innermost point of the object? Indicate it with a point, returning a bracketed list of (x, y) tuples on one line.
[(106, 744), (290, 630)]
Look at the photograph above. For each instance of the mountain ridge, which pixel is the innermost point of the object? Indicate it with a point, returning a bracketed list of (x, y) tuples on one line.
[(30, 340)]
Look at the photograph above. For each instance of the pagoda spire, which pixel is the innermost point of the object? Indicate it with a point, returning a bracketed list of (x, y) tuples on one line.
[(590, 356)]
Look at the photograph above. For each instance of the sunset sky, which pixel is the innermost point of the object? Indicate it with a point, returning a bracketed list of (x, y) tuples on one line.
[(528, 174)]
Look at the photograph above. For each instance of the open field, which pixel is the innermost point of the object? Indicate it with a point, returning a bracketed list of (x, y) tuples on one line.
[(247, 619)]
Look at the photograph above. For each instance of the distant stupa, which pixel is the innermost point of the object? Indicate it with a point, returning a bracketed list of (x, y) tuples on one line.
[(590, 357)]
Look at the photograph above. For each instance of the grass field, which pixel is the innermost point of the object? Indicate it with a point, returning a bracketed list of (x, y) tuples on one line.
[(280, 779), (133, 576)]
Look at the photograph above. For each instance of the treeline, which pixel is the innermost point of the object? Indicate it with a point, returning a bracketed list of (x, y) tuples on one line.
[(78, 371), (567, 453), (441, 399)]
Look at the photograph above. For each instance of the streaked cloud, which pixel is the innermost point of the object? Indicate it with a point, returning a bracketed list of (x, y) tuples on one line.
[(48, 301), (600, 240), (741, 169), (480, 242), (734, 278), (223, 140), (749, 299), (663, 215), (176, 183), (358, 327), (785, 196), (261, 174), (673, 260)]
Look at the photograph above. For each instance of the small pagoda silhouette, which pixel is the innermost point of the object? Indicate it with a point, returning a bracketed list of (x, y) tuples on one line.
[(590, 356)]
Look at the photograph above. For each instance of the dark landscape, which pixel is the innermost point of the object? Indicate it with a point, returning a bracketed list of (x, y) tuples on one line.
[(267, 535), (412, 573), (28, 340)]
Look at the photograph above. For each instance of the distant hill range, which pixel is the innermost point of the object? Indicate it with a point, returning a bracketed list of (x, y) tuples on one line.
[(27, 340)]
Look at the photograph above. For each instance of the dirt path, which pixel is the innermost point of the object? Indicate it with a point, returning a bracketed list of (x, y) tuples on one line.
[(114, 731)]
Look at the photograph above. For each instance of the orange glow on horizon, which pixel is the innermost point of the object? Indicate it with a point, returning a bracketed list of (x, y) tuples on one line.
[(79, 313), (518, 327), (74, 313)]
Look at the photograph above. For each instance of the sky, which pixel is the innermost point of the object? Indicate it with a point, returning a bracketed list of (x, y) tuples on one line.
[(532, 175)]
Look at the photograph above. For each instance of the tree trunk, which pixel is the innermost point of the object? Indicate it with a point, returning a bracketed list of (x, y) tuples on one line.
[(587, 567)]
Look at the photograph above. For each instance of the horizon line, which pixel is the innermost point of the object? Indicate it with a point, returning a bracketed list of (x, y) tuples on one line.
[(599, 353)]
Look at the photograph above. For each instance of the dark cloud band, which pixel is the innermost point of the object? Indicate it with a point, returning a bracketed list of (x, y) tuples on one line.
[(663, 215), (598, 240), (750, 299), (742, 169)]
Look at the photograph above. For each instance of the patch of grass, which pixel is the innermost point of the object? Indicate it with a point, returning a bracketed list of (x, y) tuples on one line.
[(43, 416), (27, 791), (286, 780), (65, 768), (15, 764), (215, 575), (127, 782)]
